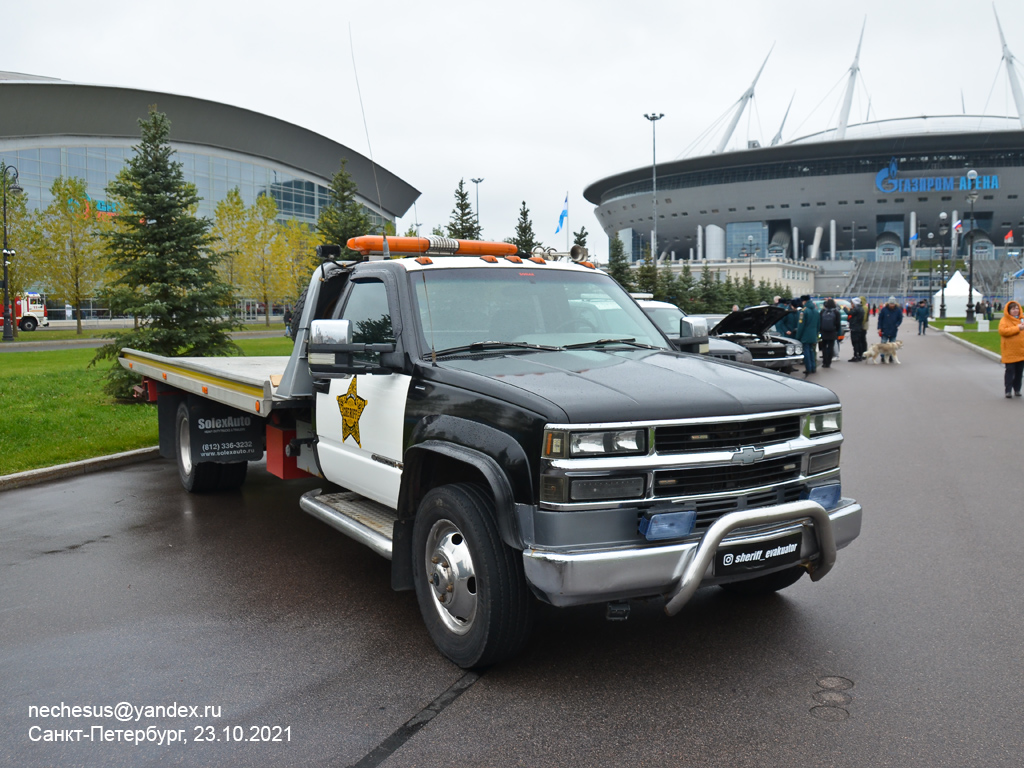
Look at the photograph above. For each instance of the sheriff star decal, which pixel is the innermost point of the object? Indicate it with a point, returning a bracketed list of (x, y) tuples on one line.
[(351, 406)]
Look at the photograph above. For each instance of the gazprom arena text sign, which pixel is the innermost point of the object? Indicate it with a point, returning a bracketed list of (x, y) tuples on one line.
[(888, 180)]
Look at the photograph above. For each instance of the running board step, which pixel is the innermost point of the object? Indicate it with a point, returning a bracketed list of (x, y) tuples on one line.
[(359, 518)]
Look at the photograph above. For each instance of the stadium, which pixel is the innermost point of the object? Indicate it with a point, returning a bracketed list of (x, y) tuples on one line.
[(857, 209), (51, 128)]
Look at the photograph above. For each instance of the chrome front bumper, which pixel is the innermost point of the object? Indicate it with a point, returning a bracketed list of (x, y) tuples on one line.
[(677, 570)]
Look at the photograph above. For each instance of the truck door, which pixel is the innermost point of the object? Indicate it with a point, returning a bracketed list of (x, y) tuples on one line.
[(359, 421)]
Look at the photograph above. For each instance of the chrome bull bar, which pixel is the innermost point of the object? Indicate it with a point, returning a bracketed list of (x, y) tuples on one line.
[(788, 512)]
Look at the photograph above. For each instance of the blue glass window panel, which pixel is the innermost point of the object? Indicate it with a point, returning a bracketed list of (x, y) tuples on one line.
[(49, 172), (219, 167), (96, 162), (28, 167), (220, 189), (234, 170), (50, 156)]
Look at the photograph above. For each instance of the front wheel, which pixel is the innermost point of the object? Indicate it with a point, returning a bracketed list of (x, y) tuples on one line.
[(470, 586), (29, 324)]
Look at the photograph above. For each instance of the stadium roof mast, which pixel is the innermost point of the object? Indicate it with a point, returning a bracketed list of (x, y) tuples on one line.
[(844, 115), (740, 106), (1011, 72)]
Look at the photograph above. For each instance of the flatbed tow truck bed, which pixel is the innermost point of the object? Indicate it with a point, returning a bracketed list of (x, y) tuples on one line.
[(247, 383)]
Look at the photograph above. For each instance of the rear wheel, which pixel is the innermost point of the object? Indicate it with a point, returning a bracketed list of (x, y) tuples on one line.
[(29, 324), (765, 585), (470, 586), (198, 477)]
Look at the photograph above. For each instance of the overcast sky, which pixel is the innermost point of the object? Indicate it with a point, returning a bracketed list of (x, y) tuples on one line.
[(537, 98)]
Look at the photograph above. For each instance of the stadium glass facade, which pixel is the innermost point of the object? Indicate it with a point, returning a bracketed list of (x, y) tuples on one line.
[(298, 196)]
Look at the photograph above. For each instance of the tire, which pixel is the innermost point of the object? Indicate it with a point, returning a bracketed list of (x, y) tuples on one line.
[(765, 585), (29, 324), (232, 475), (470, 586), (297, 314), (201, 477)]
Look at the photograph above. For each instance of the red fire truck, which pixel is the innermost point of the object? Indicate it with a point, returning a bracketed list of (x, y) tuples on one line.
[(29, 311)]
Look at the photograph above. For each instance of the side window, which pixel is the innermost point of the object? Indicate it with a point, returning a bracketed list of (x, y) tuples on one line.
[(366, 307)]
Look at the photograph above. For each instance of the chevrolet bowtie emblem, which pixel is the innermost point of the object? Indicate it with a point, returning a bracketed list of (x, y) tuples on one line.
[(747, 455)]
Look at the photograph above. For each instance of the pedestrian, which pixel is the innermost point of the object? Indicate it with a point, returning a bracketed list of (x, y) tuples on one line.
[(828, 324), (921, 315), (807, 334), (858, 329), (1011, 347), (288, 322), (988, 309), (787, 325), (889, 319)]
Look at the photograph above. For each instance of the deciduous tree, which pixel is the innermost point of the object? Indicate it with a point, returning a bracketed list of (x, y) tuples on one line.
[(72, 256)]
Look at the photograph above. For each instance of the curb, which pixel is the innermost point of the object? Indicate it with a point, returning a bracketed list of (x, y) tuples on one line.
[(76, 468), (980, 350)]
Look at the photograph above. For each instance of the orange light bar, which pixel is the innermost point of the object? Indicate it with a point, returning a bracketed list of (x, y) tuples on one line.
[(367, 244)]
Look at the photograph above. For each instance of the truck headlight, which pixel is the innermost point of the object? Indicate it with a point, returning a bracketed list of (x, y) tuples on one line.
[(559, 444), (818, 424)]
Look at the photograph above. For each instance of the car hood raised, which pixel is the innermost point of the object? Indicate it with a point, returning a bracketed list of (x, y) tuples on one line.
[(754, 320), (635, 385)]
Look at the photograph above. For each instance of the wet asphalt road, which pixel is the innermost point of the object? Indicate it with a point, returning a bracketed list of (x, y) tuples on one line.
[(119, 586)]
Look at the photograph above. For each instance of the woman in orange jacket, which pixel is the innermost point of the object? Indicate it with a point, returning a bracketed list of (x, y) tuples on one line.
[(1011, 344)]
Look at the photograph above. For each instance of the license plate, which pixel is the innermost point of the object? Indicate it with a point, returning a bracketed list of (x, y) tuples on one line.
[(741, 558)]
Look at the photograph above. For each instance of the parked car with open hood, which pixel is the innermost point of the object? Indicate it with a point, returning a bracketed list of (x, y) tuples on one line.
[(752, 328), (667, 316)]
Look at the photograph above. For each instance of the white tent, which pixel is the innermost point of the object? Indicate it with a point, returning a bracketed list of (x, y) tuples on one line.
[(956, 297)]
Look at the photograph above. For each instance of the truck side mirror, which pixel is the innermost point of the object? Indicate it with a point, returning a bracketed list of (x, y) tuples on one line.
[(331, 350), (693, 335)]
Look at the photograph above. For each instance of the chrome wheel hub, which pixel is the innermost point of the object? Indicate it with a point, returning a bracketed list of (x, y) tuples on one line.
[(450, 573)]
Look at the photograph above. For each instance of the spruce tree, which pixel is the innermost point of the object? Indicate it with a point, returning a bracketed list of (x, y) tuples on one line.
[(647, 274), (343, 217), (162, 254), (580, 238), (463, 224), (618, 266), (524, 238)]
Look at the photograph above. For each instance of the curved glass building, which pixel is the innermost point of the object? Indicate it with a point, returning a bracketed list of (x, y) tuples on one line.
[(51, 128)]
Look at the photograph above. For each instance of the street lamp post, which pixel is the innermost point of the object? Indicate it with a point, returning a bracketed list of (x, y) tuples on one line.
[(972, 180), (750, 264), (12, 181), (943, 231), (476, 182), (654, 117), (931, 258)]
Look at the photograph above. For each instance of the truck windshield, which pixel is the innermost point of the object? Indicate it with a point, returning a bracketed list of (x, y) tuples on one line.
[(530, 306)]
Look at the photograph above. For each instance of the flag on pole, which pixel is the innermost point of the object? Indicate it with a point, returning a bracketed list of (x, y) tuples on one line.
[(913, 236), (564, 215), (959, 226), (1009, 238)]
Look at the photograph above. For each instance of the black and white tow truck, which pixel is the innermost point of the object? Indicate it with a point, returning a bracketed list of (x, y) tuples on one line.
[(507, 429)]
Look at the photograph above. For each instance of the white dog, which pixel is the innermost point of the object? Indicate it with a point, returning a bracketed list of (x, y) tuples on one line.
[(882, 349)]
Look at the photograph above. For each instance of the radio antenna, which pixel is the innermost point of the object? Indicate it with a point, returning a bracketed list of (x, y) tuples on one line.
[(366, 129)]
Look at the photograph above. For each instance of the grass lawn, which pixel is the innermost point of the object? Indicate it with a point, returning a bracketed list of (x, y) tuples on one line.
[(53, 409), (66, 334)]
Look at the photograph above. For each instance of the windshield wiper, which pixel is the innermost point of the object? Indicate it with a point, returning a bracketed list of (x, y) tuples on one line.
[(601, 342), (490, 346)]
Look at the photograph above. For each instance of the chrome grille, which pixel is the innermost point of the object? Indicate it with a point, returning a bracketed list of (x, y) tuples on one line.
[(724, 478), (694, 438)]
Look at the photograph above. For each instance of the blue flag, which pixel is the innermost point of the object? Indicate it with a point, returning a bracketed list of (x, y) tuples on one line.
[(914, 236), (564, 215)]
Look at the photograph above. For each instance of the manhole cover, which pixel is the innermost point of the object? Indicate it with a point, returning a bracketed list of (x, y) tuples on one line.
[(835, 683), (831, 714)]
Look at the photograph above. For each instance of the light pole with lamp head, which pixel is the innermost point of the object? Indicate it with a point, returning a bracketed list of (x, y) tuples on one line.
[(12, 182), (943, 231), (477, 183), (972, 195), (931, 258), (654, 117)]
